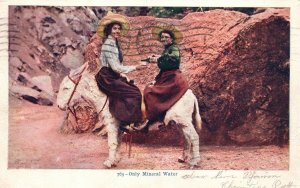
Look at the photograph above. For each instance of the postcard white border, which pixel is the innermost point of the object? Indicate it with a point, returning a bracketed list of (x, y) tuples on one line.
[(108, 178)]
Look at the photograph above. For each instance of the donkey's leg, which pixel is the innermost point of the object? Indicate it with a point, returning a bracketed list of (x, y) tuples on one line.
[(186, 147), (112, 139), (190, 132), (119, 139)]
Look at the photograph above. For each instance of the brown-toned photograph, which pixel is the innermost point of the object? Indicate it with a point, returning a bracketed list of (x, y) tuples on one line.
[(149, 88)]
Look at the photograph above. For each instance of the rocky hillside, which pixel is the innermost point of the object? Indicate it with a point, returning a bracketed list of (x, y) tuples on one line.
[(45, 42), (237, 65)]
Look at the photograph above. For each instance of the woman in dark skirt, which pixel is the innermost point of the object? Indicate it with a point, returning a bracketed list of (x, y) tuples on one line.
[(124, 97), (170, 84)]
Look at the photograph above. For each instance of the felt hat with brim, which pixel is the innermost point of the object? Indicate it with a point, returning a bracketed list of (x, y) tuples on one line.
[(159, 27), (111, 18)]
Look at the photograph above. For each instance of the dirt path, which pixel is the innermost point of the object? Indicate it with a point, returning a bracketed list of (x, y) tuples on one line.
[(35, 142)]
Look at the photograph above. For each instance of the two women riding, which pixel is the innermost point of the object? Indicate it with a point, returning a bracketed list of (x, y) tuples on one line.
[(125, 98)]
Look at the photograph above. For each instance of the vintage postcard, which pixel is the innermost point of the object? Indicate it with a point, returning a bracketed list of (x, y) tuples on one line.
[(164, 94)]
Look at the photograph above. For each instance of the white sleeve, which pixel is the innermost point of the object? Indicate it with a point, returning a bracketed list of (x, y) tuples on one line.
[(110, 53)]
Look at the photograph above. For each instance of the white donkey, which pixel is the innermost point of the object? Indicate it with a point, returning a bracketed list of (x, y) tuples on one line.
[(182, 113)]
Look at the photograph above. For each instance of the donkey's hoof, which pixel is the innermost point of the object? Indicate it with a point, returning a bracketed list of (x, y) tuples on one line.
[(180, 160), (193, 167), (108, 164)]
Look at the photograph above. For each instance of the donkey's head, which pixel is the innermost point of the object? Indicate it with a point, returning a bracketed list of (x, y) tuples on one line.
[(65, 93), (67, 88)]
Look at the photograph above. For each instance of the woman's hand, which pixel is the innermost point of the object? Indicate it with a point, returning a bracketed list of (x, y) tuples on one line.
[(140, 66), (124, 76), (153, 58)]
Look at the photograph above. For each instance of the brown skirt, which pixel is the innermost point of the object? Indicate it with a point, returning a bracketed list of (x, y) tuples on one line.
[(169, 87), (124, 97)]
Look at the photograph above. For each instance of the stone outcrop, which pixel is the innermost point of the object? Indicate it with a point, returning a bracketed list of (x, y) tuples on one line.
[(47, 41), (244, 90)]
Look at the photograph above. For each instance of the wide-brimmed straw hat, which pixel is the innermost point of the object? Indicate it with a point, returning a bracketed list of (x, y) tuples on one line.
[(159, 27), (110, 18)]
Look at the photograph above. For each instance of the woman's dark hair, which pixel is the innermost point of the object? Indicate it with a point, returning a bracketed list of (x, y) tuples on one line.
[(169, 32), (108, 27)]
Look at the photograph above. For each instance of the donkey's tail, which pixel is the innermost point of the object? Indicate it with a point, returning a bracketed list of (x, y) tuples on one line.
[(196, 114)]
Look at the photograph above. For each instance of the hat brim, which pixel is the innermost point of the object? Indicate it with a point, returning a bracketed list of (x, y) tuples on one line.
[(110, 18), (165, 26)]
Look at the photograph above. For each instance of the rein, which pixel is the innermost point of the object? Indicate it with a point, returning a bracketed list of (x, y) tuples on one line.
[(103, 105), (76, 84), (72, 94)]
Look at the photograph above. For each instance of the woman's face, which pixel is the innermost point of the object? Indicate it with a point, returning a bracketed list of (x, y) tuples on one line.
[(166, 39), (116, 31)]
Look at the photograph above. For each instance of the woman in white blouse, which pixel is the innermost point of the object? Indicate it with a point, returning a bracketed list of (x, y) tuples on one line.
[(124, 97)]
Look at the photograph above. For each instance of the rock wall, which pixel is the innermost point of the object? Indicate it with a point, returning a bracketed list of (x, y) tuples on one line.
[(237, 65)]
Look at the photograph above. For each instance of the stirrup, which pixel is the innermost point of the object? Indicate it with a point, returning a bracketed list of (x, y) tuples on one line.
[(141, 126), (127, 128)]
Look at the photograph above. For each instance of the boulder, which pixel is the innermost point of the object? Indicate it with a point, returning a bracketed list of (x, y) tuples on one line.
[(31, 95), (44, 83), (244, 91)]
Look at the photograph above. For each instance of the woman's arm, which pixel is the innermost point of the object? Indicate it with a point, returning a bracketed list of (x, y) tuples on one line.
[(110, 53)]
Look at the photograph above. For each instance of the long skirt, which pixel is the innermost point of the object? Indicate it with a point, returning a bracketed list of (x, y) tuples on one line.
[(124, 97), (169, 87)]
